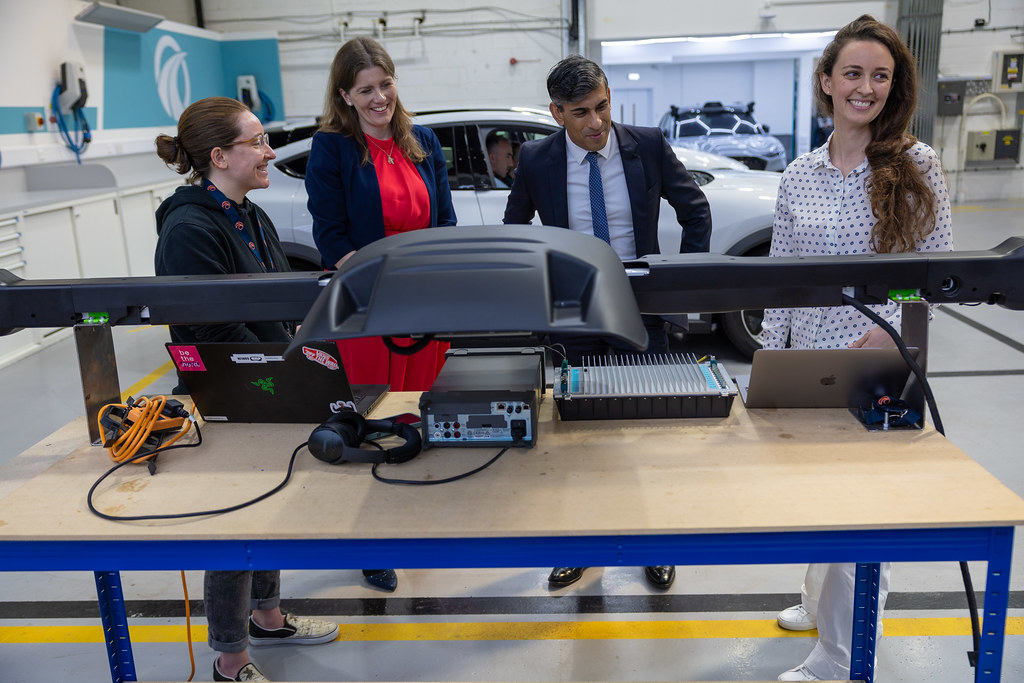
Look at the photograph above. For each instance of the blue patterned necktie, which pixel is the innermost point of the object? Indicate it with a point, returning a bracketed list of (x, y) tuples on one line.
[(597, 210)]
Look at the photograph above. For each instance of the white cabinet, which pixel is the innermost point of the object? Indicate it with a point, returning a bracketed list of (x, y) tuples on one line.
[(138, 218), (12, 259), (49, 241), (139, 231), (99, 238)]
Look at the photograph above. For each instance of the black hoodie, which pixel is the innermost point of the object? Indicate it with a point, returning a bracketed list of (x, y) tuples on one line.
[(197, 238)]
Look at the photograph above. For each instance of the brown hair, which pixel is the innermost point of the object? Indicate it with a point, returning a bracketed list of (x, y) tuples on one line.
[(900, 198), (339, 117), (208, 123)]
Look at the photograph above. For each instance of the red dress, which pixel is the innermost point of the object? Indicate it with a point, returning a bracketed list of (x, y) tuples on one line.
[(406, 206)]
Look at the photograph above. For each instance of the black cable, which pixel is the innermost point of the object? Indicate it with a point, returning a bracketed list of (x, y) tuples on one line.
[(417, 345), (972, 605), (914, 367), (965, 570), (181, 515), (430, 482)]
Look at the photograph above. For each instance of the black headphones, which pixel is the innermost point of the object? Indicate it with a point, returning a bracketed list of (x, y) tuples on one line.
[(338, 439)]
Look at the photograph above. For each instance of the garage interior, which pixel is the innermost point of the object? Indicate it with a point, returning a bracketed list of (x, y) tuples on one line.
[(716, 622)]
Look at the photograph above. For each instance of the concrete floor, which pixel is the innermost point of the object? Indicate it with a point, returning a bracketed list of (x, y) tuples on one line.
[(716, 623)]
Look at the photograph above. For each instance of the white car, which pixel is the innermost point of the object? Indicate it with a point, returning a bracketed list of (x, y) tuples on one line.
[(742, 201)]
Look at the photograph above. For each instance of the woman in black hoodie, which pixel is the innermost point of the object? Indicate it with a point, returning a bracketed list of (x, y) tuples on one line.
[(210, 227)]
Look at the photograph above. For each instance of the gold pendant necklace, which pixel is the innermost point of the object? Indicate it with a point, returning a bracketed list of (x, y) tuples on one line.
[(391, 159)]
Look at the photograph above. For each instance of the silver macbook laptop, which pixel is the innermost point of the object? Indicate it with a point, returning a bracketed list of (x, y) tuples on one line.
[(823, 378)]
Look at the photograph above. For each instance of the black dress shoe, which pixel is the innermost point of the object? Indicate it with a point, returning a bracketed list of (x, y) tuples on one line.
[(661, 576), (382, 578), (560, 577)]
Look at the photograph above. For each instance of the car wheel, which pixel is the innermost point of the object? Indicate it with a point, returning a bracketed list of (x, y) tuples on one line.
[(743, 328)]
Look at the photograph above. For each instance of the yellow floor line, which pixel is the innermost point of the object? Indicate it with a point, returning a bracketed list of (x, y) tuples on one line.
[(136, 388), (523, 630)]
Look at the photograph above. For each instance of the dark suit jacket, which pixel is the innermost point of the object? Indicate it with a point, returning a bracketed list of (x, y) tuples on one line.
[(652, 172), (344, 196)]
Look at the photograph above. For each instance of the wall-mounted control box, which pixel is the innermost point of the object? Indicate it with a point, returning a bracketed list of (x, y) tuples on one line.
[(981, 145), (1008, 71)]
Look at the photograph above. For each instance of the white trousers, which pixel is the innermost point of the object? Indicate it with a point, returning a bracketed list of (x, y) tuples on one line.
[(828, 593)]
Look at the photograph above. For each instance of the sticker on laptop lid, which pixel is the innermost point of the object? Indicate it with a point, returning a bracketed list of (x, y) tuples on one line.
[(187, 359), (343, 406), (257, 358), (322, 357)]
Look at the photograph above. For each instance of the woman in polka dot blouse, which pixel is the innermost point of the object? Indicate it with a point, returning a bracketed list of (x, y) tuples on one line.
[(872, 188)]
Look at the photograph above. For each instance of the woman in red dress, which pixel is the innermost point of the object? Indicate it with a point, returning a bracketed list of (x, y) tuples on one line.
[(372, 173)]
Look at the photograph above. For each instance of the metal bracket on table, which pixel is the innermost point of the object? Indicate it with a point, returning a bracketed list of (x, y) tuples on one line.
[(98, 366)]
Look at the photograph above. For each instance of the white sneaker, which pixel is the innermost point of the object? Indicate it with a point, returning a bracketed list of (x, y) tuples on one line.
[(796, 618), (800, 673), (296, 630)]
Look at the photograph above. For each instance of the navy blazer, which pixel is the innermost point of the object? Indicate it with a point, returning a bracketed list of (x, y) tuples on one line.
[(652, 171), (344, 195)]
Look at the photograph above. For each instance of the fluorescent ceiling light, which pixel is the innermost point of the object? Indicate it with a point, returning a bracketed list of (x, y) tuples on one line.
[(634, 77), (716, 39), (115, 16)]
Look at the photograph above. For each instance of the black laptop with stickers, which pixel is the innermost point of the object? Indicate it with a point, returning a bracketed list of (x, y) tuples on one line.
[(254, 382)]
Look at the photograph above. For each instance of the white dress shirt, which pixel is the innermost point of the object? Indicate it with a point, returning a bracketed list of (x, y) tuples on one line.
[(819, 212), (616, 195)]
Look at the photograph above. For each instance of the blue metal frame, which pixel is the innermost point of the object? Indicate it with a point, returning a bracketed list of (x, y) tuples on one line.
[(992, 544), (115, 626)]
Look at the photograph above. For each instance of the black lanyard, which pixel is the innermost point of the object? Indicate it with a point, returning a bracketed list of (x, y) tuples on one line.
[(243, 232)]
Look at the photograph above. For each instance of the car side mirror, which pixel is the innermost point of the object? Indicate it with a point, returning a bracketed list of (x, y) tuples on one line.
[(766, 128)]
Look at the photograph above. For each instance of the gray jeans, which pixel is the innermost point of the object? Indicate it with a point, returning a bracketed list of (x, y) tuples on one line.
[(230, 596)]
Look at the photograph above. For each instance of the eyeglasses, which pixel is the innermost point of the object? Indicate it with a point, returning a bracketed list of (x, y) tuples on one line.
[(256, 143)]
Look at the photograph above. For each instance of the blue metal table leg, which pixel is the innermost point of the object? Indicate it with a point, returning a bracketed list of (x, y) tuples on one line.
[(865, 620), (115, 626), (997, 597)]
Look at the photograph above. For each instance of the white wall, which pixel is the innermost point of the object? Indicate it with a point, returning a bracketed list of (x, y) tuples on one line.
[(617, 20), (462, 55)]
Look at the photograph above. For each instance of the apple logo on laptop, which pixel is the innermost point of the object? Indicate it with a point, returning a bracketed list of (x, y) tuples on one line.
[(828, 381)]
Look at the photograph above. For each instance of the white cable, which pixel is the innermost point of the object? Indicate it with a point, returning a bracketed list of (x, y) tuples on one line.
[(961, 140)]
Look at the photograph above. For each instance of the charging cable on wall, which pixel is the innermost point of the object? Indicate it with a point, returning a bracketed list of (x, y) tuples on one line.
[(82, 134)]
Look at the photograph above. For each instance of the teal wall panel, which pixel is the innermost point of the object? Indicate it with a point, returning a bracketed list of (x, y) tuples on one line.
[(257, 58)]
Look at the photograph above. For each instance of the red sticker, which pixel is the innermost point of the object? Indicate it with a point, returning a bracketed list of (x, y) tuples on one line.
[(322, 357), (186, 358)]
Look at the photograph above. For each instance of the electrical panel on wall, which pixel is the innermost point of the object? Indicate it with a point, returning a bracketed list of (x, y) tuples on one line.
[(1007, 71), (981, 145), (951, 98), (1007, 145)]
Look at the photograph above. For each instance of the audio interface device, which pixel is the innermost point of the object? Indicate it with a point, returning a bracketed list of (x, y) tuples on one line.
[(484, 397)]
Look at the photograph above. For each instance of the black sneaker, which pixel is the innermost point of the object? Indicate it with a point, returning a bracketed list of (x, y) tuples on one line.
[(296, 630), (249, 672)]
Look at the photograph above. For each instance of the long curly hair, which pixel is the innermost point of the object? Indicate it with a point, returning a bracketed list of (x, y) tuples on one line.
[(900, 198), (205, 124), (339, 117)]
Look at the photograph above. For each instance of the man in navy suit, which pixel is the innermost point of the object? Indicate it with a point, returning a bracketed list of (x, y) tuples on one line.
[(605, 179)]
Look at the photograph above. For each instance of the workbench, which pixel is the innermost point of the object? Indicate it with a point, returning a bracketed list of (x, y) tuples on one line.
[(591, 493)]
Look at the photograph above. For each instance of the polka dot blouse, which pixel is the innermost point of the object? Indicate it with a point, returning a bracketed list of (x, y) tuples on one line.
[(818, 212)]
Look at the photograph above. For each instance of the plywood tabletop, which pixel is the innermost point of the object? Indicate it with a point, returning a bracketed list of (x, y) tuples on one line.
[(733, 474)]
